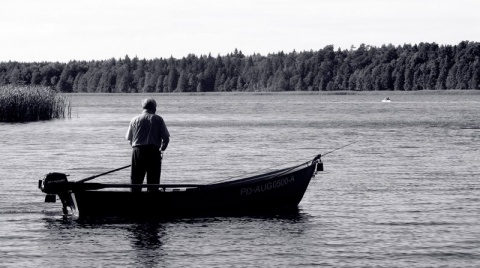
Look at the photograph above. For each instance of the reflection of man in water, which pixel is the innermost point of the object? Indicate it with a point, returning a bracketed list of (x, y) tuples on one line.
[(146, 240), (148, 136)]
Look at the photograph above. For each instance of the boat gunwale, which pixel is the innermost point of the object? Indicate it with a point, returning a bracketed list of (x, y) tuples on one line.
[(76, 187)]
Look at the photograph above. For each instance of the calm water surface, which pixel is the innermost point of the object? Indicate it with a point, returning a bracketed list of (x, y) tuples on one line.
[(406, 194)]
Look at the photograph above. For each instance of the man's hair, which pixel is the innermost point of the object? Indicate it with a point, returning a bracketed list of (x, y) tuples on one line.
[(149, 104)]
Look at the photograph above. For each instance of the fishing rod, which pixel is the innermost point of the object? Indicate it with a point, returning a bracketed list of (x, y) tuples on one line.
[(111, 171), (105, 173)]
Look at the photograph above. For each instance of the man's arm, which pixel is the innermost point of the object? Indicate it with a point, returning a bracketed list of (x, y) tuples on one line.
[(165, 135), (129, 135), (165, 142)]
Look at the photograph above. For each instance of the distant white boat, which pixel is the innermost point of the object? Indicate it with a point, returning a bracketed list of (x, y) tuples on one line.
[(387, 99)]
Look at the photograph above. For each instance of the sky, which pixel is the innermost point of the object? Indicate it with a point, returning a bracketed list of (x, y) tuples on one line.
[(65, 30)]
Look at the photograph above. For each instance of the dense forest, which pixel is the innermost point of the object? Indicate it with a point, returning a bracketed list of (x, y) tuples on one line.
[(408, 67)]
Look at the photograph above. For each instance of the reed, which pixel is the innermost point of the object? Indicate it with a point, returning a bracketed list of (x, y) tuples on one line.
[(32, 103)]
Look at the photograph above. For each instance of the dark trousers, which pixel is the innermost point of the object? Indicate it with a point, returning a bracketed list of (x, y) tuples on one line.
[(146, 159)]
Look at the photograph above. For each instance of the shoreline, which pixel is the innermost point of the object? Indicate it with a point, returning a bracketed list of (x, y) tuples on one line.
[(338, 92)]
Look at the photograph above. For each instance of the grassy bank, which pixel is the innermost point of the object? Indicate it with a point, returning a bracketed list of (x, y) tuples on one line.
[(32, 103)]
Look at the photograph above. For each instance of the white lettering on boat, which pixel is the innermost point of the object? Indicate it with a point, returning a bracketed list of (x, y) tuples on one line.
[(267, 186)]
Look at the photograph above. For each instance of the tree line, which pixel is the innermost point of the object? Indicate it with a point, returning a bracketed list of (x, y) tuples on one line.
[(366, 68)]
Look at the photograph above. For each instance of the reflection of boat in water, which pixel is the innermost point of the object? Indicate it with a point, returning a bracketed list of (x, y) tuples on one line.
[(387, 99), (273, 191)]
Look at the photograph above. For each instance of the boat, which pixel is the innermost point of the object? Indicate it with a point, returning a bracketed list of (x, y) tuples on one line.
[(387, 99), (271, 192)]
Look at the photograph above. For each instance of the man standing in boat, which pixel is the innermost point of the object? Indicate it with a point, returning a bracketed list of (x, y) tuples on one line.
[(148, 136)]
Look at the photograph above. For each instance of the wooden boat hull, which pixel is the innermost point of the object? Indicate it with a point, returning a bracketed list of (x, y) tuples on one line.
[(271, 192)]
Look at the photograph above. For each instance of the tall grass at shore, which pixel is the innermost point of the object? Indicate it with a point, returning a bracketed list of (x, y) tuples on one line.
[(32, 103)]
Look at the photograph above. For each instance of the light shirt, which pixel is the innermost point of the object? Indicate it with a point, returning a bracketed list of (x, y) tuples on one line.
[(148, 129)]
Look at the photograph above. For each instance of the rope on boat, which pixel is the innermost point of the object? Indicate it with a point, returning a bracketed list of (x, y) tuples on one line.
[(265, 169), (304, 162), (339, 148)]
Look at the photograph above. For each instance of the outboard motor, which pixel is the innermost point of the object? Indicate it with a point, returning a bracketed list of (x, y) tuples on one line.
[(53, 184)]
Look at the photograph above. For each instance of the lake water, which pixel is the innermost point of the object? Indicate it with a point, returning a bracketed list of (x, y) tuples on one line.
[(406, 194)]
